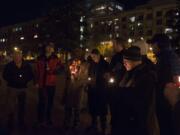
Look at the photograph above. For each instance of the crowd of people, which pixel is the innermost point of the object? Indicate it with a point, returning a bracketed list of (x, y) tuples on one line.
[(142, 97)]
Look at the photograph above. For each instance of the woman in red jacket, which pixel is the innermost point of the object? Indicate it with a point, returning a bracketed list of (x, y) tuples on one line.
[(47, 67)]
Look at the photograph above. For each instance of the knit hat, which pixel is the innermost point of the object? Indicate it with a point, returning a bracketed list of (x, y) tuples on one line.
[(133, 53)]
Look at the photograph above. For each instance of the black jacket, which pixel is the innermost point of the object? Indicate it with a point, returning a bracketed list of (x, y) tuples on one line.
[(116, 66), (133, 98), (97, 93), (17, 77)]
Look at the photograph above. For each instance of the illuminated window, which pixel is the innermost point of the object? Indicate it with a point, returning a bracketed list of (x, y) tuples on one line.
[(132, 19), (3, 40), (21, 38), (37, 25), (82, 28), (92, 25), (110, 22), (119, 7), (168, 30), (36, 36), (110, 8), (81, 19), (116, 27), (139, 24), (81, 37), (110, 35), (101, 8)]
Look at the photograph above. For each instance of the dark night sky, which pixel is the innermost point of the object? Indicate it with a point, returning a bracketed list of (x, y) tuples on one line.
[(14, 11)]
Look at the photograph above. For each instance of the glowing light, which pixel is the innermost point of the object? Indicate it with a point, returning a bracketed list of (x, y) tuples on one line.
[(89, 78), (82, 28), (150, 48), (101, 8), (111, 80), (21, 38), (139, 24), (168, 30), (16, 48), (130, 40), (132, 19), (179, 81), (87, 50), (36, 36), (142, 38)]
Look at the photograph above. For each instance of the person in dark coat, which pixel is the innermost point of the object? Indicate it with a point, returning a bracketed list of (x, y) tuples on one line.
[(116, 65), (97, 92), (17, 74), (134, 96), (168, 66)]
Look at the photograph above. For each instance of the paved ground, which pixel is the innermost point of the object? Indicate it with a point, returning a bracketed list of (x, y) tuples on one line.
[(58, 113)]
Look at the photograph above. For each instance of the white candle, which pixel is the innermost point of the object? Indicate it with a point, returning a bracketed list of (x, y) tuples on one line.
[(111, 80), (89, 78)]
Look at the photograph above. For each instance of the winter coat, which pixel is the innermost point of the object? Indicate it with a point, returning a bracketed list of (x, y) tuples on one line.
[(97, 92), (46, 70), (17, 77), (116, 66), (134, 102), (168, 66), (76, 85)]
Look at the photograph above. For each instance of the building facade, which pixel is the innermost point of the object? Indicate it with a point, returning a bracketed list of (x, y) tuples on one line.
[(141, 23), (25, 36)]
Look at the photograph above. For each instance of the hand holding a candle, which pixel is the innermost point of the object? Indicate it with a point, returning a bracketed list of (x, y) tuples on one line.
[(172, 93)]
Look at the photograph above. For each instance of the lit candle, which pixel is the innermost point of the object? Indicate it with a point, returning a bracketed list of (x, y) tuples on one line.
[(20, 76), (111, 80), (89, 78), (179, 81)]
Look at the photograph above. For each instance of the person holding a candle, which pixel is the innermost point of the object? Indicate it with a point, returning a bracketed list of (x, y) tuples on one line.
[(17, 74), (77, 81), (168, 69), (97, 92), (134, 97)]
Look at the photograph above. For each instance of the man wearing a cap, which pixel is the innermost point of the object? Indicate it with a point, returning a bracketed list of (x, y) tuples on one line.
[(134, 96), (47, 66)]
